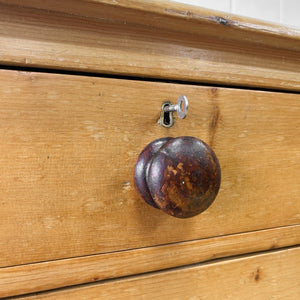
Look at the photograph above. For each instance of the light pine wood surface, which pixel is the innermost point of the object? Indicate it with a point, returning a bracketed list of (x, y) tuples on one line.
[(67, 272), (157, 39), (69, 212), (273, 275), (69, 146), (171, 15)]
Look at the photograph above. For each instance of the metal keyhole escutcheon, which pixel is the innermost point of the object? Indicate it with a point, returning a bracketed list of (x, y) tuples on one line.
[(167, 110), (181, 176)]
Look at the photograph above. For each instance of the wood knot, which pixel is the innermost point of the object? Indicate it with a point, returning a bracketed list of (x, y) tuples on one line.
[(214, 90), (215, 118), (257, 275)]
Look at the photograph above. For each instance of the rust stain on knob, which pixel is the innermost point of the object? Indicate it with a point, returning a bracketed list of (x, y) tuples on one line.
[(180, 176)]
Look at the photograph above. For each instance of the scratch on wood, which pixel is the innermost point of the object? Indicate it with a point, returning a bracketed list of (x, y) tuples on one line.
[(179, 12), (216, 19), (221, 21), (126, 186)]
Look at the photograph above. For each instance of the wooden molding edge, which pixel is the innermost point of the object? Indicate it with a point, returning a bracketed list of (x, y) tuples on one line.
[(43, 276), (148, 13), (154, 39)]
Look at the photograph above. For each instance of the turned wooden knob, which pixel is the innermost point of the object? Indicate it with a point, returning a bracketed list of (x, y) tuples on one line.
[(181, 176)]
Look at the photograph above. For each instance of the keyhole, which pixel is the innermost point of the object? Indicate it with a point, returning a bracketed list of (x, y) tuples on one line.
[(166, 117)]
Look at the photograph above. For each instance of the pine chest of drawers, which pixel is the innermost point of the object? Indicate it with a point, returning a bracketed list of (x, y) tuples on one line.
[(81, 89)]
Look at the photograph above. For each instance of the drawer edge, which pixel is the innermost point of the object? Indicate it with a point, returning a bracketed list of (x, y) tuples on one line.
[(49, 275), (264, 276)]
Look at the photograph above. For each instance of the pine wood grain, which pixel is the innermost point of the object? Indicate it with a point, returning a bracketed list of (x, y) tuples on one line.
[(152, 39), (67, 272), (172, 15), (69, 144), (273, 275)]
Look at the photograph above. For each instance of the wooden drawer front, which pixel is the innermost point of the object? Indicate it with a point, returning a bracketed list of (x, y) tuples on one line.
[(69, 145), (273, 275)]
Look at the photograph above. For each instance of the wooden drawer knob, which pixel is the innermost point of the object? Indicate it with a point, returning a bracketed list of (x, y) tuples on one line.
[(180, 176)]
